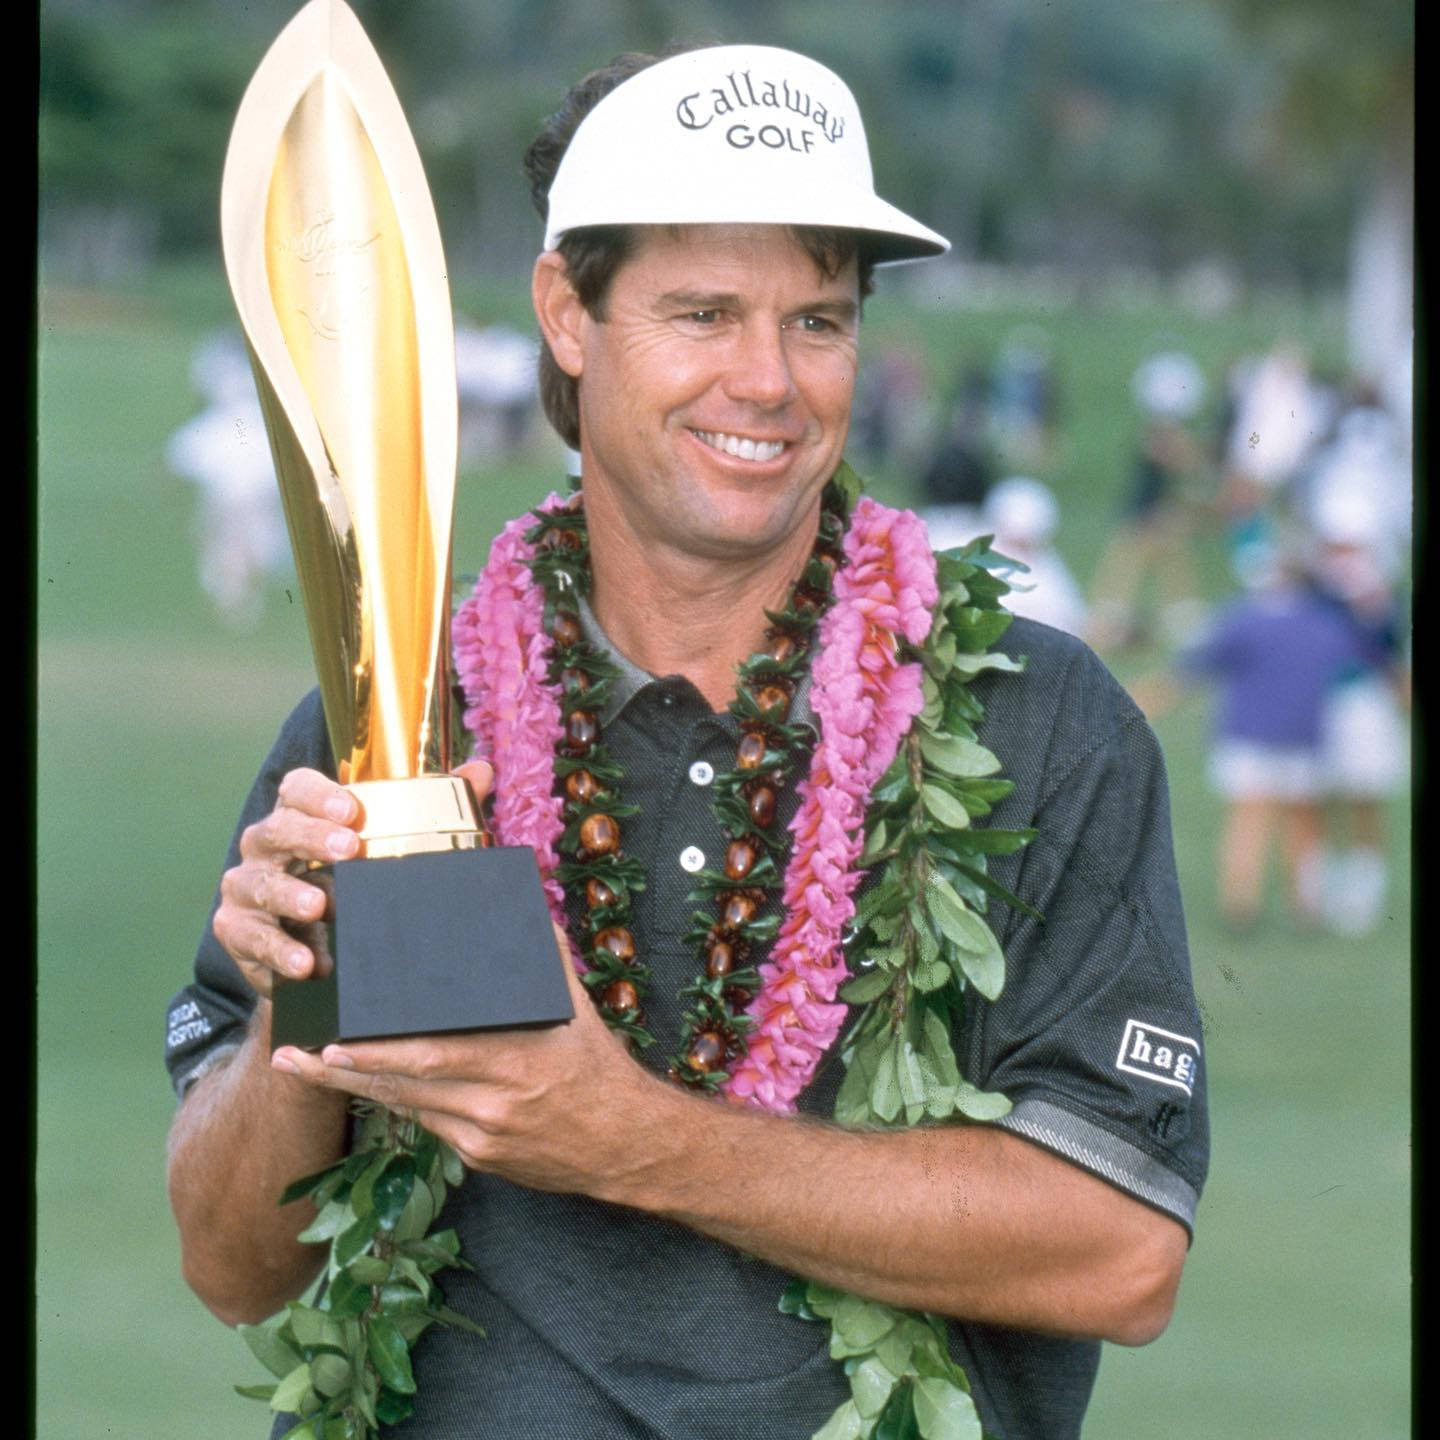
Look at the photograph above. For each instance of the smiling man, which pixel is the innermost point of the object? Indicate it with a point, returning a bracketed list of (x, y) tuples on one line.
[(712, 229)]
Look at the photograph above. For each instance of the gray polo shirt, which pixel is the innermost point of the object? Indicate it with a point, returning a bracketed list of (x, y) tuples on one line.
[(603, 1322)]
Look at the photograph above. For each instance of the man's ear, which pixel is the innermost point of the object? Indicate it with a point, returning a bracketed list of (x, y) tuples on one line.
[(559, 311)]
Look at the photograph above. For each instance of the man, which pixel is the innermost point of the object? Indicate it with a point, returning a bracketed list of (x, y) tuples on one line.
[(707, 252)]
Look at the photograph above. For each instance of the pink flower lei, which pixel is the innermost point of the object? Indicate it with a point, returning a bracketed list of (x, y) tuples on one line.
[(864, 698)]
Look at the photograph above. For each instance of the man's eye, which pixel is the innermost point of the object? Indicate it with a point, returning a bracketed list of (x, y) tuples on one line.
[(814, 324), (703, 317)]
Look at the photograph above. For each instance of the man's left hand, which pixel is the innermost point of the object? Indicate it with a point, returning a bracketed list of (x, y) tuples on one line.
[(549, 1109)]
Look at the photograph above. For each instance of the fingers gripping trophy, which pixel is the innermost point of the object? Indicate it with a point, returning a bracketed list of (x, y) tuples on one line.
[(334, 259)]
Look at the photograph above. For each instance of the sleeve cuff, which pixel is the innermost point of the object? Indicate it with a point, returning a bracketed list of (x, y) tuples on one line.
[(212, 1060), (1098, 1151)]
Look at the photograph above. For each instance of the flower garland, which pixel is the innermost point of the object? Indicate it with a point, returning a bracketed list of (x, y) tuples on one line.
[(895, 781), (864, 696)]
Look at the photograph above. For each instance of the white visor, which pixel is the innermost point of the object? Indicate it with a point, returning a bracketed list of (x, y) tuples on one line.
[(731, 135)]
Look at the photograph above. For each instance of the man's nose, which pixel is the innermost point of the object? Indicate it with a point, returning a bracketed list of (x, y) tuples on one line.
[(760, 372)]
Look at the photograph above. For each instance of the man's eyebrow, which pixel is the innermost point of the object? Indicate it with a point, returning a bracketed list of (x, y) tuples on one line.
[(696, 300), (843, 311)]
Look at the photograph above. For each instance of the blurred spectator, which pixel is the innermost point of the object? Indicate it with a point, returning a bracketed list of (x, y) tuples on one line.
[(890, 409), (1363, 733), (225, 452), (960, 469), (1022, 515), (1275, 653), (495, 373), (1278, 415), (1366, 458), (1024, 397), (1152, 543)]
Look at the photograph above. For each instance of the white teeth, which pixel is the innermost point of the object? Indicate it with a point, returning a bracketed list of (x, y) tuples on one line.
[(740, 447)]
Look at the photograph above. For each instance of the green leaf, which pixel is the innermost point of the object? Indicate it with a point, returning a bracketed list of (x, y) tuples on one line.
[(911, 1081), (958, 756), (393, 1188), (875, 842), (290, 1393), (793, 1301), (980, 1104), (270, 1349), (968, 664), (897, 1420), (960, 924), (391, 1355), (885, 1097), (298, 1189), (305, 1430), (859, 1323), (348, 1245), (369, 1269), (852, 1103), (412, 1327), (456, 1320), (928, 975), (871, 1384), (844, 1424), (347, 1296), (312, 1327), (938, 1048), (408, 1269), (362, 1193), (985, 969), (943, 1411), (901, 1351), (868, 985), (391, 1408), (334, 1218), (255, 1392), (944, 806), (329, 1373)]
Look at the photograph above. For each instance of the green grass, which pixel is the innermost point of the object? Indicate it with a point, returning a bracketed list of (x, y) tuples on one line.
[(1293, 1319)]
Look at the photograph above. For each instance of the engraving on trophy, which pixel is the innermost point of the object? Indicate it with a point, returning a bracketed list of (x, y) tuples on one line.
[(343, 271)]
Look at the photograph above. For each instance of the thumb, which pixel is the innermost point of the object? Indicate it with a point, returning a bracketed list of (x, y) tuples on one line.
[(479, 775)]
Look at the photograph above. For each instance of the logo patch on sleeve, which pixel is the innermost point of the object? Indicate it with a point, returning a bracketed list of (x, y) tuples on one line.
[(1159, 1055)]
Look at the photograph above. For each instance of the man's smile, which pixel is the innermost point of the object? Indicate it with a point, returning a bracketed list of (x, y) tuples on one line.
[(740, 446)]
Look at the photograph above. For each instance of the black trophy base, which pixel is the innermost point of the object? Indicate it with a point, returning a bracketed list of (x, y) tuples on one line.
[(422, 944)]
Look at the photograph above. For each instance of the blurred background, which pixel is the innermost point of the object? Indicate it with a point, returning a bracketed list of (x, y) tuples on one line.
[(1167, 363)]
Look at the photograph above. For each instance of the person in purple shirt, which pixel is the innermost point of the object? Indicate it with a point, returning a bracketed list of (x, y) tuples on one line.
[(1274, 653)]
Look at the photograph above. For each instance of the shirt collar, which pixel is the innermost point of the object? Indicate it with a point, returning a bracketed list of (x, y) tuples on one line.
[(632, 679)]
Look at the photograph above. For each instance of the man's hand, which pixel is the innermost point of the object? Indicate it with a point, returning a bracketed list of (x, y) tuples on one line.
[(550, 1109), (266, 901)]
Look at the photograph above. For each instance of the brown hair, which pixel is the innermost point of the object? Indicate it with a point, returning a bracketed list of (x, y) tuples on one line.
[(594, 253)]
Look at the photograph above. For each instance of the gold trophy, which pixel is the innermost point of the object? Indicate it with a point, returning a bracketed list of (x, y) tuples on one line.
[(335, 263)]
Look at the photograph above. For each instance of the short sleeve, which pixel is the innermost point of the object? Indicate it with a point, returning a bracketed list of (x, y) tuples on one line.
[(205, 1022), (1096, 1036)]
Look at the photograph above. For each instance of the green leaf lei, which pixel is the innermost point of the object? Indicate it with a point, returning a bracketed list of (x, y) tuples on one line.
[(918, 941), (343, 1362)]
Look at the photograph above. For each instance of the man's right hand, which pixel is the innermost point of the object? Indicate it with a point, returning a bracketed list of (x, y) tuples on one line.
[(313, 821)]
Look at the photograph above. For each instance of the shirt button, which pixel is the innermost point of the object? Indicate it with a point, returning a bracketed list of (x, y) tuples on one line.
[(702, 772), (692, 858)]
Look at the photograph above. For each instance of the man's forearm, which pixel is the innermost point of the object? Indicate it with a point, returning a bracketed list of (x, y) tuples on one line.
[(962, 1220), (242, 1134)]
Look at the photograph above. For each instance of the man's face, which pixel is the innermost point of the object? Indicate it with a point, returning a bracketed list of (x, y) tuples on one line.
[(715, 396)]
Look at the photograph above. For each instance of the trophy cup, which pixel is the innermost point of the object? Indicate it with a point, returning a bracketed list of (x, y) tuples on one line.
[(334, 259)]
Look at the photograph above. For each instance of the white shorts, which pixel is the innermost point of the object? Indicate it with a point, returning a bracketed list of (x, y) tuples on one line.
[(1364, 747), (1251, 770)]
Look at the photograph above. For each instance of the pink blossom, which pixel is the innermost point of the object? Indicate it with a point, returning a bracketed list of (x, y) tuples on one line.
[(864, 701)]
